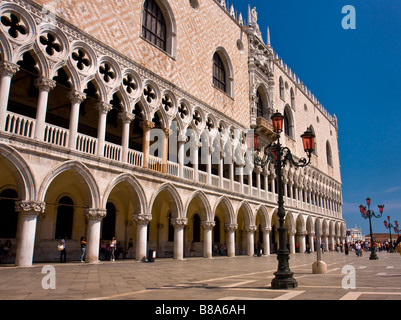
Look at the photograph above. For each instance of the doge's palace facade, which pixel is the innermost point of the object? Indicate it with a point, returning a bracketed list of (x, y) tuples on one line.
[(129, 119)]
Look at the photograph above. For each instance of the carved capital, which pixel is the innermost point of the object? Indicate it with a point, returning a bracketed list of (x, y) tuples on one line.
[(8, 69), (45, 84), (30, 208), (208, 224), (146, 125), (95, 214), (142, 219), (179, 222), (250, 228), (167, 131), (126, 117), (76, 96), (104, 107), (230, 227)]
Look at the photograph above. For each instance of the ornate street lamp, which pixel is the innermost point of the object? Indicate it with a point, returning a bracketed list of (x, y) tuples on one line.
[(367, 214), (279, 155), (396, 227), (388, 226)]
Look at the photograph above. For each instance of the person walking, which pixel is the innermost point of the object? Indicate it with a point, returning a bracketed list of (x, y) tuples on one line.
[(83, 248), (112, 248)]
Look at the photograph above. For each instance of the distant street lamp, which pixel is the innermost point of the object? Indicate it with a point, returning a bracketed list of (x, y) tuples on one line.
[(389, 225), (367, 214), (396, 228), (279, 155)]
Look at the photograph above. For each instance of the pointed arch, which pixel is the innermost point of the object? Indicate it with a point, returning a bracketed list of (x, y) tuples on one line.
[(84, 175), (229, 212), (22, 172), (174, 200), (248, 214), (134, 183), (207, 215)]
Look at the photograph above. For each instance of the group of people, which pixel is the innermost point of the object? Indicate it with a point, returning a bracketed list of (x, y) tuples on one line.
[(110, 251), (113, 250)]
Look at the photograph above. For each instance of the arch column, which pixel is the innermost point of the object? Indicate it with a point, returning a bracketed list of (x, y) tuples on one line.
[(103, 109), (94, 217), (291, 235), (146, 126), (266, 241), (302, 243), (76, 98), (167, 133), (250, 246), (126, 118), (208, 243), (230, 238), (179, 225), (311, 242), (142, 221), (44, 85), (7, 71), (28, 214)]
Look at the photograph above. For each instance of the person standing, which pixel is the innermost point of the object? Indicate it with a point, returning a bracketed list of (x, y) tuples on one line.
[(112, 248), (83, 248), (63, 251)]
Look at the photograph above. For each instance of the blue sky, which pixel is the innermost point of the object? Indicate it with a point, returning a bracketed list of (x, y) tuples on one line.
[(355, 74)]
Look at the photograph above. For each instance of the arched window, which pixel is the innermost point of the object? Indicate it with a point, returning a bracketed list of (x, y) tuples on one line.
[(315, 146), (196, 228), (65, 214), (286, 123), (262, 105), (329, 154), (219, 73), (292, 98), (281, 87), (8, 216), (259, 105), (153, 25), (109, 222)]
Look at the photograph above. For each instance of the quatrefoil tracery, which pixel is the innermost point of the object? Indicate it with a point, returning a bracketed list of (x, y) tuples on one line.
[(183, 111), (15, 25), (51, 43), (197, 118), (107, 71), (81, 58), (149, 93), (167, 103), (130, 84)]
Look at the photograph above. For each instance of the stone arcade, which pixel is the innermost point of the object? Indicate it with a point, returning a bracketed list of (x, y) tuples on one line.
[(82, 87)]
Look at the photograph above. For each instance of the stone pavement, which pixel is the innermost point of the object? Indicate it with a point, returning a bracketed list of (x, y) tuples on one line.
[(221, 278)]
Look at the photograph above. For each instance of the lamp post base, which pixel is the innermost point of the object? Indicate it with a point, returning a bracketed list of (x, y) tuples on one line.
[(373, 256), (284, 280)]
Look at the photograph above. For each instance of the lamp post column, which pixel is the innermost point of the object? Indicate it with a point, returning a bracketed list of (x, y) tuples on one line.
[(283, 276)]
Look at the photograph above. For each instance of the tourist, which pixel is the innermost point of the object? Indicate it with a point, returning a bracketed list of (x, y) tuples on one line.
[(63, 252), (112, 248), (83, 248)]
